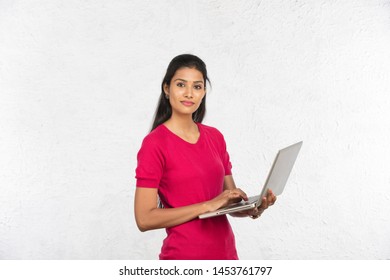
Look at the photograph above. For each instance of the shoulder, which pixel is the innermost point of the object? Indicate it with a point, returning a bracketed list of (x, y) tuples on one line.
[(211, 132), (209, 129), (154, 139)]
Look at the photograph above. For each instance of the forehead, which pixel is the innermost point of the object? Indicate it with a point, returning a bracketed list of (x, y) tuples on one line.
[(188, 74)]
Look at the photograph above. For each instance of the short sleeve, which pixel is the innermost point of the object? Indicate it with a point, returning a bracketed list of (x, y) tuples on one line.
[(221, 144), (226, 159), (150, 164)]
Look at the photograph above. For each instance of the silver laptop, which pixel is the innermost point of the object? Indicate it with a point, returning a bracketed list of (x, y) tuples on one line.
[(276, 181)]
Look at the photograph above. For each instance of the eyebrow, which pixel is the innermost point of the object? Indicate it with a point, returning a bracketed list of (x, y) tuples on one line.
[(187, 81)]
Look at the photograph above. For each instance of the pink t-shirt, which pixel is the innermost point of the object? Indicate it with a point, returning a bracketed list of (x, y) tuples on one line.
[(186, 174)]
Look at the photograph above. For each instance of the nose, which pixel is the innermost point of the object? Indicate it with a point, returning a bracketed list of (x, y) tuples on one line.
[(188, 92)]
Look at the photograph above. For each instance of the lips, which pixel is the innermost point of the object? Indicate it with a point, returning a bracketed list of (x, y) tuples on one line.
[(187, 103)]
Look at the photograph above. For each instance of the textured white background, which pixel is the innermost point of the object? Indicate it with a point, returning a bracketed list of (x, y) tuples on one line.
[(79, 82)]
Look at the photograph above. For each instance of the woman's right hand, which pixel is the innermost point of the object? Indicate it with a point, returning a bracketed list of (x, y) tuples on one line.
[(225, 198)]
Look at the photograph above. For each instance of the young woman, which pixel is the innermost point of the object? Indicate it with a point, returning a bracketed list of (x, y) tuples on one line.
[(185, 164)]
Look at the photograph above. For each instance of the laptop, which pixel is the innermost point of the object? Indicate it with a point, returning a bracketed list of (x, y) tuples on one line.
[(276, 181)]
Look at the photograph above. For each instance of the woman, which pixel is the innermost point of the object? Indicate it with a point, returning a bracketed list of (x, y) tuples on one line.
[(186, 165)]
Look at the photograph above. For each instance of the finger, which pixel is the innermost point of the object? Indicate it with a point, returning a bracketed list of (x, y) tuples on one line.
[(254, 212), (233, 197), (264, 203), (242, 193), (271, 198), (235, 193)]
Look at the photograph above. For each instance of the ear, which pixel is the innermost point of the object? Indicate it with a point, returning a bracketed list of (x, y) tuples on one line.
[(166, 89)]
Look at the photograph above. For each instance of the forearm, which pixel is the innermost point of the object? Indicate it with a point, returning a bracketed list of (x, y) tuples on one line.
[(168, 217), (149, 217)]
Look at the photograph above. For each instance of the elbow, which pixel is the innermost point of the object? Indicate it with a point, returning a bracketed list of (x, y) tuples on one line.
[(143, 225), (142, 228)]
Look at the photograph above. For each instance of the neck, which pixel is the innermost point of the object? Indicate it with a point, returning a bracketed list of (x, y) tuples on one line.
[(182, 123)]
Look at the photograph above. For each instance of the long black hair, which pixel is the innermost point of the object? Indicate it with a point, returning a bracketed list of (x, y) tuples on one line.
[(164, 109)]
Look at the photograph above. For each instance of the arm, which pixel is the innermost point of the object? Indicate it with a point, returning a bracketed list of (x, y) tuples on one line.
[(148, 216)]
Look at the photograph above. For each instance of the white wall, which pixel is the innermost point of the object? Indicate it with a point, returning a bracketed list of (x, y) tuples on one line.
[(79, 81)]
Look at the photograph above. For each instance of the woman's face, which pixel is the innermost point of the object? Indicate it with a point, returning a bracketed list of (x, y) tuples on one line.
[(185, 91)]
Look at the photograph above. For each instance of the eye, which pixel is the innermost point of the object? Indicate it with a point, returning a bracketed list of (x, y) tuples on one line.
[(198, 87), (180, 84)]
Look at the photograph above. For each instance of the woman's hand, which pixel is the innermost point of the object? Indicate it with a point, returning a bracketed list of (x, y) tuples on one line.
[(225, 198), (267, 201)]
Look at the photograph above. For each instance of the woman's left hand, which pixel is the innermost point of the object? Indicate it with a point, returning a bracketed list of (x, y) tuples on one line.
[(267, 201)]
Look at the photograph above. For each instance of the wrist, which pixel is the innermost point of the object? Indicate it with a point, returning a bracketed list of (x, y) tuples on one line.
[(205, 207)]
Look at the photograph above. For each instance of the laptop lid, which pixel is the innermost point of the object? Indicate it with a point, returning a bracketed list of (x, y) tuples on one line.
[(280, 170), (276, 181)]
